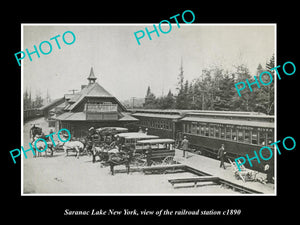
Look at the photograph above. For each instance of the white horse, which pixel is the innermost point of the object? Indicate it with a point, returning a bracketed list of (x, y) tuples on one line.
[(71, 145)]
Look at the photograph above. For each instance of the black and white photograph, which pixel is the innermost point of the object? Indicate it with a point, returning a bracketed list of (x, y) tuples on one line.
[(161, 117), (130, 114)]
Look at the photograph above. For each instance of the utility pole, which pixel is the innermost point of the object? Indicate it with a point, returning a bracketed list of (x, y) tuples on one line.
[(133, 98), (73, 90)]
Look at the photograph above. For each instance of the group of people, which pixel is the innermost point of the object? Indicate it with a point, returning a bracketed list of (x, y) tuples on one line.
[(221, 152)]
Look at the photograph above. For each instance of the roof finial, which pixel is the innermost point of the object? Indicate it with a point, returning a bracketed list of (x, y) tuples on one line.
[(92, 77)]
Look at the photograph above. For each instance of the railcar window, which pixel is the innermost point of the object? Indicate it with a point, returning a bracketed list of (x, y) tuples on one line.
[(222, 132), (217, 132), (262, 138), (270, 137), (194, 129), (234, 134), (247, 136), (206, 130), (188, 128), (202, 130), (254, 137), (228, 133), (212, 133), (240, 135), (198, 129)]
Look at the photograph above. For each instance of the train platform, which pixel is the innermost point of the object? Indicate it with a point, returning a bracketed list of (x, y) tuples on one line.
[(211, 167)]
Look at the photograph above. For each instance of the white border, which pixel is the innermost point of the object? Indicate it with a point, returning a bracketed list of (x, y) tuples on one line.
[(141, 24)]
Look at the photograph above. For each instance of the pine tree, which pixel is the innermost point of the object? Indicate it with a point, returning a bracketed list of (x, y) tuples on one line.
[(245, 102), (224, 94), (181, 96), (150, 100), (169, 101)]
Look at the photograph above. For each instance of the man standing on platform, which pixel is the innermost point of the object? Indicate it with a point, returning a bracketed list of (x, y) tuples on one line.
[(222, 156), (149, 155), (184, 145)]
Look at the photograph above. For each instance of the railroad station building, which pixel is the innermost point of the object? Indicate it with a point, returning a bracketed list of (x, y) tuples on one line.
[(93, 106)]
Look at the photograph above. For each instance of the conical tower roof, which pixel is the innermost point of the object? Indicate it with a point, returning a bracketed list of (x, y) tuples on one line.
[(92, 77)]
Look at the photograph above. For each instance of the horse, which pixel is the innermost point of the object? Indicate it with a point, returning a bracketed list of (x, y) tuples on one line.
[(119, 158), (71, 145), (102, 151)]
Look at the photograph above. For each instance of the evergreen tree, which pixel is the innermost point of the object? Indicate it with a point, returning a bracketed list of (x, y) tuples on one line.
[(38, 102), (181, 96), (265, 98), (246, 101), (169, 101), (150, 100), (224, 94)]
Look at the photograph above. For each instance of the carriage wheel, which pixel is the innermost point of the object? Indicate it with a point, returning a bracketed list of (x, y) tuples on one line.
[(168, 160), (137, 160), (155, 163)]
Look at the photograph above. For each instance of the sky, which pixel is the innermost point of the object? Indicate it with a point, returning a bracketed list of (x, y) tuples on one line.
[(126, 69)]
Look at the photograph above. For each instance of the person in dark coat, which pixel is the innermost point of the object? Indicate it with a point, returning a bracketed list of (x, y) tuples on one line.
[(222, 155), (184, 146), (149, 155), (270, 173)]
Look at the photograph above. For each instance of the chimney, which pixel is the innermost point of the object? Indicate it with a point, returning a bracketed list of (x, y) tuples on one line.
[(83, 86)]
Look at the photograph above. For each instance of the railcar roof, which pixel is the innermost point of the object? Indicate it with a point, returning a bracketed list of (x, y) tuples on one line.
[(135, 135), (232, 122), (157, 141), (187, 111)]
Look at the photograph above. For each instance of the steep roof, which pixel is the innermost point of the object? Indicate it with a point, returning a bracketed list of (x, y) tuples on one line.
[(54, 103), (91, 90), (92, 75)]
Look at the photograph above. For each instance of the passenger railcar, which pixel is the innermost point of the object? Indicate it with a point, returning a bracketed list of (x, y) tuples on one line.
[(241, 132)]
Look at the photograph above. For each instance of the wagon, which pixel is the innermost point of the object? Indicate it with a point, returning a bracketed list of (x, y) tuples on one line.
[(154, 152), (129, 140)]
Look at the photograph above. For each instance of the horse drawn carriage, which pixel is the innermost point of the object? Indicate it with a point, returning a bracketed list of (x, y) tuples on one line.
[(35, 134), (145, 152), (154, 152)]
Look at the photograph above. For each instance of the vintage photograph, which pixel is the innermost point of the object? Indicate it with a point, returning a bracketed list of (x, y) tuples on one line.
[(105, 114)]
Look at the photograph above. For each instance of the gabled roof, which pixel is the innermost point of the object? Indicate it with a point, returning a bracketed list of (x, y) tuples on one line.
[(91, 90), (81, 116), (54, 103)]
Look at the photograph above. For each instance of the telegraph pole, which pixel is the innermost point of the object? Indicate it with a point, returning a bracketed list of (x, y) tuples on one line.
[(73, 90)]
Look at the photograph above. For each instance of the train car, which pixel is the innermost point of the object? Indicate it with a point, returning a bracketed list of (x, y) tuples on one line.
[(158, 122), (241, 132)]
